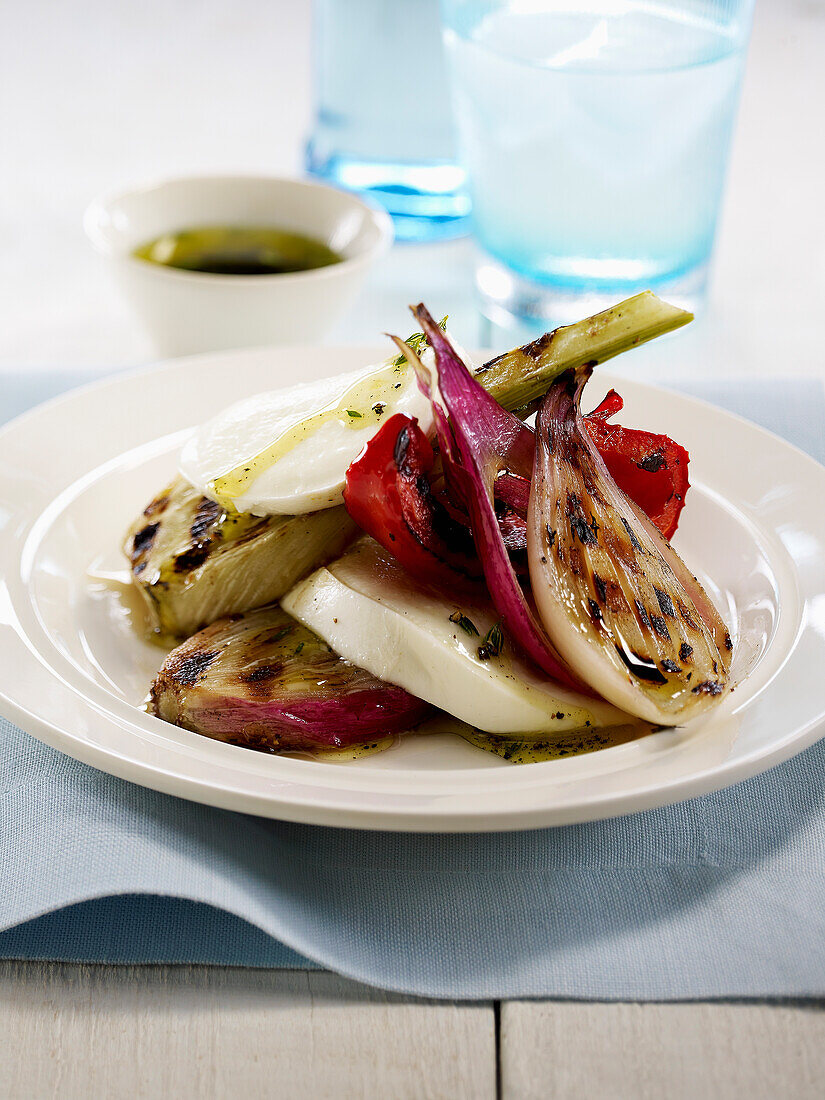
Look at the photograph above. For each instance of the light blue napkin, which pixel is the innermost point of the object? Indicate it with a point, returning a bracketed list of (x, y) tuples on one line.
[(721, 896)]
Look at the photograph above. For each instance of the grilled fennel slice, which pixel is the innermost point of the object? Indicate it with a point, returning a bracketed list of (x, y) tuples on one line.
[(194, 562), (264, 681)]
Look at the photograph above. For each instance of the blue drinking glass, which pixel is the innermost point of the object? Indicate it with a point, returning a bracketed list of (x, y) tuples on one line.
[(596, 137), (383, 122)]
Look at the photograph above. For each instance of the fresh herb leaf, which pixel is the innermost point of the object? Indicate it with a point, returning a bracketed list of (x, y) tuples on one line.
[(493, 643), (298, 648), (418, 342), (467, 625), (354, 414)]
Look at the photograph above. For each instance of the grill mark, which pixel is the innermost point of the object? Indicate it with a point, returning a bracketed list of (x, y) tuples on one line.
[(259, 674), (188, 670), (653, 462), (616, 599), (685, 651), (660, 626), (579, 527), (143, 540), (259, 682), (207, 515), (592, 487), (686, 615), (611, 595), (665, 603), (708, 687), (634, 541), (601, 587), (193, 557), (536, 349), (157, 506), (624, 553)]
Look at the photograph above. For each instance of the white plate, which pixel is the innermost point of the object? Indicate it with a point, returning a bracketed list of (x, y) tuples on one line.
[(74, 473)]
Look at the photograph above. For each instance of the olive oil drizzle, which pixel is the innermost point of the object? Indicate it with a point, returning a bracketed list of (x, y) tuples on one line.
[(538, 747), (347, 752), (360, 406), (514, 749), (520, 750)]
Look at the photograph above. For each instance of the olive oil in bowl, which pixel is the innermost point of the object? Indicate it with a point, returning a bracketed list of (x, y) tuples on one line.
[(213, 263), (237, 250)]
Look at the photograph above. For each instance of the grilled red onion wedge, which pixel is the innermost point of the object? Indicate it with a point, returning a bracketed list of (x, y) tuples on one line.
[(264, 681), (480, 441), (618, 603)]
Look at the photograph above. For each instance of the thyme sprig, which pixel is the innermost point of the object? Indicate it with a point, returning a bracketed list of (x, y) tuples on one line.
[(467, 625), (418, 342), (493, 643)]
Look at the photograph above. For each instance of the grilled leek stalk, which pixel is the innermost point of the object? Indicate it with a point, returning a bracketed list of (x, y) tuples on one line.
[(193, 562), (519, 378)]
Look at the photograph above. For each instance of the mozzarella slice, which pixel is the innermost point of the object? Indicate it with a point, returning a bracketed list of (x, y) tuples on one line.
[(287, 452), (370, 612)]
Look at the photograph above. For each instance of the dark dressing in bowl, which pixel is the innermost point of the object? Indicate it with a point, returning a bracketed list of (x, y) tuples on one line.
[(237, 250)]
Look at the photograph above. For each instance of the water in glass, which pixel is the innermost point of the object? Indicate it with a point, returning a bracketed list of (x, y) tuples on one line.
[(596, 135)]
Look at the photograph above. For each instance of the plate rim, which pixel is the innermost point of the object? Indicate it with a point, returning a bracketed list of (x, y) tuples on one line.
[(212, 793)]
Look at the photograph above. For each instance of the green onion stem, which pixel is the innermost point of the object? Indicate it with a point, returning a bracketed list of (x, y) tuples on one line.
[(520, 377)]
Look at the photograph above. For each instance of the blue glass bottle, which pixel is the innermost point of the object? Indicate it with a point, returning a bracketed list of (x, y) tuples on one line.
[(383, 122)]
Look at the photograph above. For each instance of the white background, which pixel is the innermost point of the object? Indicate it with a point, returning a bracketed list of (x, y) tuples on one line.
[(99, 94)]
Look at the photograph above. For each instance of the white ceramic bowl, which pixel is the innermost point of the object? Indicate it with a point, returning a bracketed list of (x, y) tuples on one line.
[(187, 312)]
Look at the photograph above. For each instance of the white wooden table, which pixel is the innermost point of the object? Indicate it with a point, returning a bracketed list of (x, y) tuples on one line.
[(85, 94), (76, 1032)]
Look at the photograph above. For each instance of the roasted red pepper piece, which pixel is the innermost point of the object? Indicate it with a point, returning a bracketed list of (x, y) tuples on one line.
[(389, 496), (651, 469)]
